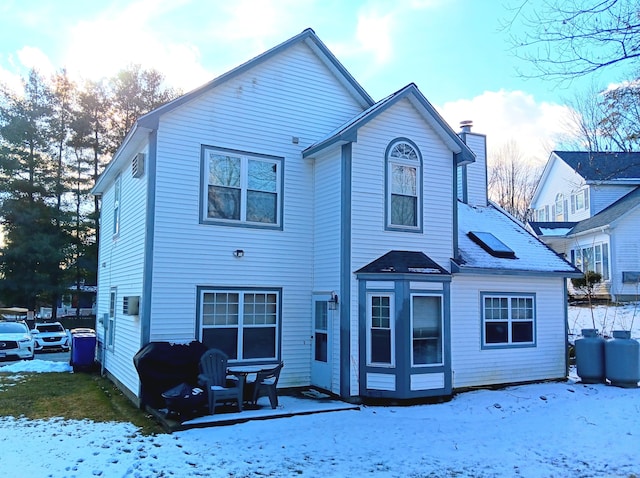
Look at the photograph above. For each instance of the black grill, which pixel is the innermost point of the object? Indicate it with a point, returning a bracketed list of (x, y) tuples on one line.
[(8, 345), (51, 339)]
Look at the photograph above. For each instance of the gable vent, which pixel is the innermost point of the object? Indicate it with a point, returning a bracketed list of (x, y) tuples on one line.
[(137, 165)]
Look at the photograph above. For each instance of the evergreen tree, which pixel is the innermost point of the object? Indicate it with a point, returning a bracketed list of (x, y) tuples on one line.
[(35, 245)]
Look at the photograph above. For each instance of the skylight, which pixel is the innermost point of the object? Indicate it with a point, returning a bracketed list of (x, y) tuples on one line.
[(492, 244)]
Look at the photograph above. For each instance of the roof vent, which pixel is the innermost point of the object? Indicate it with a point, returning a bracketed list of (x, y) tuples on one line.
[(137, 165)]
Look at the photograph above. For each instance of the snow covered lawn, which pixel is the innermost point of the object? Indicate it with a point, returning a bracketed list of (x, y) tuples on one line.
[(541, 430)]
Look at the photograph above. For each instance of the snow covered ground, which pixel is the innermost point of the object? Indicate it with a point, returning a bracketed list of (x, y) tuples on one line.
[(541, 430), (606, 319)]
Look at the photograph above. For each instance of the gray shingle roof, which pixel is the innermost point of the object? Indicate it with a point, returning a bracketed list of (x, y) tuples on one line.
[(403, 262), (610, 214), (602, 166)]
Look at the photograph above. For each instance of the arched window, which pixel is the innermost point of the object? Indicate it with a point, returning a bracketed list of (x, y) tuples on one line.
[(559, 207), (404, 186)]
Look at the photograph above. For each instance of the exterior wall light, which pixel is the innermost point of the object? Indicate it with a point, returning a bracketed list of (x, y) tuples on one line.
[(238, 253), (333, 302)]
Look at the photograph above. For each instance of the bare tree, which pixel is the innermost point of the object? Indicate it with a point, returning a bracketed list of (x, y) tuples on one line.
[(605, 119), (565, 39), (512, 180)]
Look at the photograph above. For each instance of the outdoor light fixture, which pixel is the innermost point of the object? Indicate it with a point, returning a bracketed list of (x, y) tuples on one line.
[(238, 253), (333, 302)]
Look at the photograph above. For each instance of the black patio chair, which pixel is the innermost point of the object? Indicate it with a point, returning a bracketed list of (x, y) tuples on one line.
[(265, 386), (213, 377)]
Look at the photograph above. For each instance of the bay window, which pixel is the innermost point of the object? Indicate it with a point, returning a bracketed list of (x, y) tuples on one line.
[(380, 329), (426, 318)]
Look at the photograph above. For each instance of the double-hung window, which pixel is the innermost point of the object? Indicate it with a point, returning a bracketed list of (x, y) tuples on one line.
[(242, 323), (594, 258), (242, 188), (508, 320), (404, 186), (580, 200), (380, 330)]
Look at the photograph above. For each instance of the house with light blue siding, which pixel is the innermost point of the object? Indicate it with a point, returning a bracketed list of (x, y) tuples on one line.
[(279, 213), (587, 208)]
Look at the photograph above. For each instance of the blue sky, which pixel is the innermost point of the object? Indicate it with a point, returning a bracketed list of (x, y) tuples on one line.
[(454, 50)]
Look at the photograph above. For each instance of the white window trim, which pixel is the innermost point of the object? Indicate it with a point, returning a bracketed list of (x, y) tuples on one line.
[(442, 341), (244, 158), (509, 296), (577, 258), (560, 213), (417, 165), (241, 292), (584, 193), (392, 327)]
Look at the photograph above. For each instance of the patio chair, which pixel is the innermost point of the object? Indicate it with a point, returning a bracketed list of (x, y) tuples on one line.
[(213, 377), (265, 386)]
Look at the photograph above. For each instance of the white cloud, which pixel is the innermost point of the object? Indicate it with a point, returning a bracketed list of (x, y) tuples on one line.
[(374, 34), (31, 57), (536, 127), (123, 37)]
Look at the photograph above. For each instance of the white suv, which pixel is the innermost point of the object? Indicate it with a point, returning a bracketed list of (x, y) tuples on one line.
[(50, 336), (15, 341)]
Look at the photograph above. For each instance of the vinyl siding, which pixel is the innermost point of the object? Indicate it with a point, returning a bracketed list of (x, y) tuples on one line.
[(625, 254), (121, 266), (370, 240), (473, 366), (326, 243), (292, 95), (477, 172), (603, 195), (560, 179)]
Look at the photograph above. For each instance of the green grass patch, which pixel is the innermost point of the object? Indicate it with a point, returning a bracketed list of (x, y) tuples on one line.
[(74, 396)]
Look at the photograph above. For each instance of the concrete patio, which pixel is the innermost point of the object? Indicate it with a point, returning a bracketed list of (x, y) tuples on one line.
[(290, 403)]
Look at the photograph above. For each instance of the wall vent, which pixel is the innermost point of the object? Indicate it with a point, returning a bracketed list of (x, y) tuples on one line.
[(131, 305), (137, 165)]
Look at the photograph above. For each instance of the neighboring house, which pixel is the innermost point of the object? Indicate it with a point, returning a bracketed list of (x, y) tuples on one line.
[(279, 213), (587, 208)]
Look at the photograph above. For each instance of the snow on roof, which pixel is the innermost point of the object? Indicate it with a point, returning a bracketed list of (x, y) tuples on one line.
[(554, 231), (530, 253)]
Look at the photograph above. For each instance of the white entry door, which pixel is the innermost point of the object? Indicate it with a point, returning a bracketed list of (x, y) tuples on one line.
[(321, 343)]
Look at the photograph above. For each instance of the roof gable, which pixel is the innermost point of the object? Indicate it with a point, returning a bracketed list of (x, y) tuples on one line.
[(150, 121), (348, 131), (309, 37)]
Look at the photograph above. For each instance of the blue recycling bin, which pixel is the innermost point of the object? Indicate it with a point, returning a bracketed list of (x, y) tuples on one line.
[(83, 350)]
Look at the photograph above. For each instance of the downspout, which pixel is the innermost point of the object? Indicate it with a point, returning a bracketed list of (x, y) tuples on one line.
[(345, 271)]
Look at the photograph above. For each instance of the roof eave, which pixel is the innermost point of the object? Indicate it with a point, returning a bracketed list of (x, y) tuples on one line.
[(464, 269), (135, 135)]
